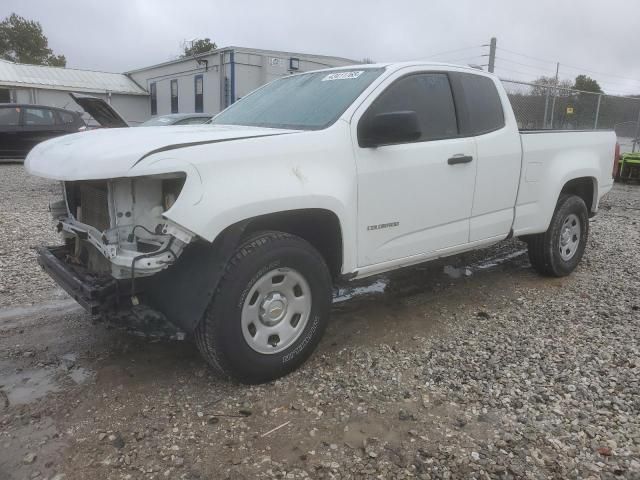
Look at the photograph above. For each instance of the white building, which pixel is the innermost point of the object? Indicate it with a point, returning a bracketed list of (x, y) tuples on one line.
[(35, 84), (211, 82), (208, 82)]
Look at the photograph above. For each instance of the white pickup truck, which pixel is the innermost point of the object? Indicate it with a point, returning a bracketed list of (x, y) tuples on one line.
[(235, 232)]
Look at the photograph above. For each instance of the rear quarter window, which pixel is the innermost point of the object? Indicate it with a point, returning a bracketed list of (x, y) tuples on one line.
[(67, 118), (480, 102)]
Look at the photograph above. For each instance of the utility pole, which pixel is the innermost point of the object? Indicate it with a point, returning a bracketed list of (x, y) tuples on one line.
[(492, 54), (555, 93)]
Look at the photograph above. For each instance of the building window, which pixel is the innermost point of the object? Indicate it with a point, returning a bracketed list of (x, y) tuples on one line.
[(174, 96), (294, 63), (198, 88), (5, 95), (154, 98)]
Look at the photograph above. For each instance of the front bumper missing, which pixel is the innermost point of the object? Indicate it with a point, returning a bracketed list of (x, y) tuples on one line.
[(105, 297), (94, 293)]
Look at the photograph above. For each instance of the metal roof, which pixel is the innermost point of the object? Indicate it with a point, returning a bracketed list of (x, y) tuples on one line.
[(243, 50), (56, 78)]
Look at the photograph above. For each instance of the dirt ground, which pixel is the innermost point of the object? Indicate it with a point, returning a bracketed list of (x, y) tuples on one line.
[(471, 367)]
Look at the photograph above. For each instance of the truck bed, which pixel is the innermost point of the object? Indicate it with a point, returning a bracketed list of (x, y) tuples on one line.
[(550, 158)]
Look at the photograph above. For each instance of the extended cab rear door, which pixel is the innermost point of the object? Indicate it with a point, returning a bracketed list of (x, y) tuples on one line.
[(414, 198), (484, 113)]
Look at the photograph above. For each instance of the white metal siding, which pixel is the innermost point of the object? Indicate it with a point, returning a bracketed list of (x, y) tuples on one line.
[(253, 68)]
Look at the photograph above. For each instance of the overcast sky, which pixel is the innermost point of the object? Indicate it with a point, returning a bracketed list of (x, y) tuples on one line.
[(117, 35)]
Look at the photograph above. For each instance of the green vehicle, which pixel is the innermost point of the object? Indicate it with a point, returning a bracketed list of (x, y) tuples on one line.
[(628, 167)]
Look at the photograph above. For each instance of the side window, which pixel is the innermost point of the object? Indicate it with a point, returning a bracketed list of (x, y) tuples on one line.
[(482, 104), (429, 95), (154, 98), (9, 116), (174, 96), (38, 117), (66, 117), (198, 87)]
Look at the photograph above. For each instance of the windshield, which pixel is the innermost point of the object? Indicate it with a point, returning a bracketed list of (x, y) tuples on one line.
[(308, 101)]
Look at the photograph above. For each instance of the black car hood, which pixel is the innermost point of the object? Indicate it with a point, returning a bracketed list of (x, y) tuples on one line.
[(100, 110)]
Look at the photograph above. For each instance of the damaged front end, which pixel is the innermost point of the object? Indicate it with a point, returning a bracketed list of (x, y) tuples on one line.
[(116, 242)]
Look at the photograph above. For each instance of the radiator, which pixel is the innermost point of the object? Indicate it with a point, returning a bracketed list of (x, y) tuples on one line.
[(94, 205)]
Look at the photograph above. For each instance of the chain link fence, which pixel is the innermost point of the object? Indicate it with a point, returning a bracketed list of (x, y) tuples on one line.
[(542, 107)]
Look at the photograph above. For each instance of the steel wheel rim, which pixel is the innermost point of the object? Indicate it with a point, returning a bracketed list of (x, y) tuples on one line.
[(276, 311), (569, 237)]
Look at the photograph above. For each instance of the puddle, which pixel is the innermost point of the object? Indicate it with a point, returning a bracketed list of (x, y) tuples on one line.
[(343, 294), (81, 375), (379, 285), (484, 264), (27, 386), (13, 316), (495, 261), (457, 272)]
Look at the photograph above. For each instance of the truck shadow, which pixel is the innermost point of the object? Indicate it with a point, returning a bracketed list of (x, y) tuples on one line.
[(413, 301)]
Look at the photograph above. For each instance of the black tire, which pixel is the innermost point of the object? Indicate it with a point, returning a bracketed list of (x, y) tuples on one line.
[(219, 335), (544, 248)]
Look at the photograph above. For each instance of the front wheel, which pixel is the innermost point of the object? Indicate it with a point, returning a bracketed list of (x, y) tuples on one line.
[(558, 251), (269, 311)]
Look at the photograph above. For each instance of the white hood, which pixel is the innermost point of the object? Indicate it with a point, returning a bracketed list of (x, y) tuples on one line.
[(111, 153)]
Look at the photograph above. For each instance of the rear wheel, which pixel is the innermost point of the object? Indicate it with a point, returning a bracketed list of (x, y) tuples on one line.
[(558, 251), (269, 311)]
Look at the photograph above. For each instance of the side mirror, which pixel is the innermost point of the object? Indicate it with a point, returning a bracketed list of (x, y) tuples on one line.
[(388, 128)]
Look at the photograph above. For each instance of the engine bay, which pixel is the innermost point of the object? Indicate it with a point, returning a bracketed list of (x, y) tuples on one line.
[(117, 226)]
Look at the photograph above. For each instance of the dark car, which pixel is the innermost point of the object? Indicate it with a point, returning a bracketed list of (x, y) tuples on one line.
[(178, 119), (24, 126)]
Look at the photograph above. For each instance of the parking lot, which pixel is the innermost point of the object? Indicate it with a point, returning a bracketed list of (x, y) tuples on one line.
[(474, 367)]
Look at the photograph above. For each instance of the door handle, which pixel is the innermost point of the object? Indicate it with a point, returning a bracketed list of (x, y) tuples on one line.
[(456, 159)]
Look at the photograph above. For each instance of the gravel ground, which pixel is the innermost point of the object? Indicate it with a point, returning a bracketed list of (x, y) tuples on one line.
[(488, 372), (24, 225)]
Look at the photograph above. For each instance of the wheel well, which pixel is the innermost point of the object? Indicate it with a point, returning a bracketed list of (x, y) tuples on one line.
[(584, 188), (321, 228)]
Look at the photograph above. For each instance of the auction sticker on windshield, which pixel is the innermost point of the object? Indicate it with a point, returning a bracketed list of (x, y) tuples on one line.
[(343, 75)]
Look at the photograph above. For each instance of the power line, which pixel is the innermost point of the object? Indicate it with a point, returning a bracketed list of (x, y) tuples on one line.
[(528, 74), (571, 67), (523, 65), (580, 69), (453, 51), (525, 74), (604, 83), (476, 57), (527, 56)]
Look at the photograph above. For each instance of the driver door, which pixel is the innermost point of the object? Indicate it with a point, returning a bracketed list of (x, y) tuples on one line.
[(414, 198)]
